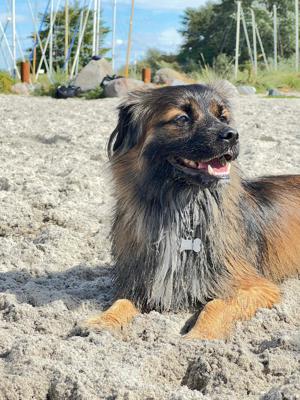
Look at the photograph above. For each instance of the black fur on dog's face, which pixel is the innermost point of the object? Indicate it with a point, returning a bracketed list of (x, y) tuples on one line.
[(179, 133)]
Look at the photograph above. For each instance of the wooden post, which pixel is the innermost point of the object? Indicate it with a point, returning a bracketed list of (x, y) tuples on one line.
[(34, 59), (237, 43), (51, 40), (129, 40)]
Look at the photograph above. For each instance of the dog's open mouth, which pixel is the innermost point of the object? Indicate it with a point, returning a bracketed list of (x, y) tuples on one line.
[(218, 167)]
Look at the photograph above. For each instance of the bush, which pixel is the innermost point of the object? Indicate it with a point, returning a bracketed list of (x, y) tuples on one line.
[(6, 82)]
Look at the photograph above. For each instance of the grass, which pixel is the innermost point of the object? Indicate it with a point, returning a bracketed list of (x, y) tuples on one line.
[(6, 82)]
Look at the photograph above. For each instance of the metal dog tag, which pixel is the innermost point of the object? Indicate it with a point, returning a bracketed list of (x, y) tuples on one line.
[(190, 244)]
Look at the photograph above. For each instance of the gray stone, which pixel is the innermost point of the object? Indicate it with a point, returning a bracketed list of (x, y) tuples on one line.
[(274, 92), (167, 76), (121, 86), (246, 90), (92, 74), (177, 82), (21, 88)]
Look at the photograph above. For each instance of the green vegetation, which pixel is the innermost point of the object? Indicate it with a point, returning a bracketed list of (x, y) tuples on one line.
[(6, 82)]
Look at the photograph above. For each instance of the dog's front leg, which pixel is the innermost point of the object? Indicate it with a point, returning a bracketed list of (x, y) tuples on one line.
[(120, 314), (219, 316)]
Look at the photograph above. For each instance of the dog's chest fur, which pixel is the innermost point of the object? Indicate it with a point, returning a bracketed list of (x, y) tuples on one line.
[(174, 255)]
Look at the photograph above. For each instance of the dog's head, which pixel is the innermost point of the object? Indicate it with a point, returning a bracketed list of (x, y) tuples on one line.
[(182, 133)]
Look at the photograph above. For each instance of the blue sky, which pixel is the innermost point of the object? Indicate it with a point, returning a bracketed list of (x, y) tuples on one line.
[(156, 24)]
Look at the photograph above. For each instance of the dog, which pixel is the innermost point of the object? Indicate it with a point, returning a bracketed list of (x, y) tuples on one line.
[(188, 229)]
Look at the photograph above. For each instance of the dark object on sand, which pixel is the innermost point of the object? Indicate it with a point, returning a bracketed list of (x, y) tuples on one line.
[(64, 92)]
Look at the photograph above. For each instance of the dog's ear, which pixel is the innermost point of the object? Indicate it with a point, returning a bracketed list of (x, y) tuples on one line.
[(128, 130)]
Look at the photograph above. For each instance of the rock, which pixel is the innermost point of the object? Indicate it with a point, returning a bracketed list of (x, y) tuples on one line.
[(92, 74), (246, 90), (121, 86), (274, 92), (21, 88), (168, 75), (177, 82)]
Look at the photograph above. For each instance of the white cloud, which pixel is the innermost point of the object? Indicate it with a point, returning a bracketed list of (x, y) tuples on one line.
[(169, 38), (164, 4)]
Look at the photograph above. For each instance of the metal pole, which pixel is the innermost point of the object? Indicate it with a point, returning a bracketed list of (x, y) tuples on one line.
[(275, 35), (80, 40), (51, 39), (66, 34), (14, 41), (129, 39), (113, 47), (94, 27), (262, 47), (8, 48), (254, 41), (79, 35), (246, 35), (297, 33), (237, 43), (98, 32)]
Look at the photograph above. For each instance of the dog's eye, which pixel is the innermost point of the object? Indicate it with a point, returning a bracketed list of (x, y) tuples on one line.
[(182, 119)]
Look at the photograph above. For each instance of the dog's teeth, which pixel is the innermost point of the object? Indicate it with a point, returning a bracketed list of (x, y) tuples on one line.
[(210, 170), (228, 166)]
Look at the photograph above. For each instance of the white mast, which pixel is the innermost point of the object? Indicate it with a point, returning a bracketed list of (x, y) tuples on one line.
[(113, 47), (237, 43), (14, 40), (297, 33), (275, 35), (98, 28), (51, 39), (254, 41), (95, 27)]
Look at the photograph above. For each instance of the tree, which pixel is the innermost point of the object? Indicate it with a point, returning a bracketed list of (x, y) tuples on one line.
[(211, 30), (59, 36)]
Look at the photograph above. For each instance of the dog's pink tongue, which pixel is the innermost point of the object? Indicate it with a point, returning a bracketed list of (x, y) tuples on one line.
[(218, 167), (215, 167)]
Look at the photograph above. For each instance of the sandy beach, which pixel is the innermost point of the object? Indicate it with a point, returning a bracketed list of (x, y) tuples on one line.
[(55, 208)]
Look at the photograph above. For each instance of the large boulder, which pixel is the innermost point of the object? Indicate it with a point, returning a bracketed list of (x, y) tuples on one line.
[(121, 86), (246, 90), (92, 74), (167, 76)]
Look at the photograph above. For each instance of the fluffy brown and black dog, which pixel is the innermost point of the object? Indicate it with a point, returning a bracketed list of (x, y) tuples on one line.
[(188, 229)]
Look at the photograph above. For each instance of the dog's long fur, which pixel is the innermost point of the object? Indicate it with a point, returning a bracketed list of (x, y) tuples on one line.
[(247, 228)]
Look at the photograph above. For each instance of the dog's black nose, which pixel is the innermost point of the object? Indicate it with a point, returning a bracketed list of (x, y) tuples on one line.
[(230, 134)]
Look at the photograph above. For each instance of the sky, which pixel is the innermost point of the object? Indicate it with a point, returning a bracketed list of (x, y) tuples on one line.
[(155, 24)]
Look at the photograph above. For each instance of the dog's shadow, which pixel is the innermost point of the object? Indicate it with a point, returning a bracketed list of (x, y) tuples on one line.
[(81, 283)]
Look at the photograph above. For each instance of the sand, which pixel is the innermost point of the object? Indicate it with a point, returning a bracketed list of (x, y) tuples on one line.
[(55, 207)]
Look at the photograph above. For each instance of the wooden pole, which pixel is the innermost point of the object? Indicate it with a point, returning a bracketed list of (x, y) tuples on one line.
[(129, 40), (297, 33), (275, 35), (254, 41), (66, 34), (113, 47)]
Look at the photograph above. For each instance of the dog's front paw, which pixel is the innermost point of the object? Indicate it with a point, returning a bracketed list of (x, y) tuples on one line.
[(120, 314), (214, 323)]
